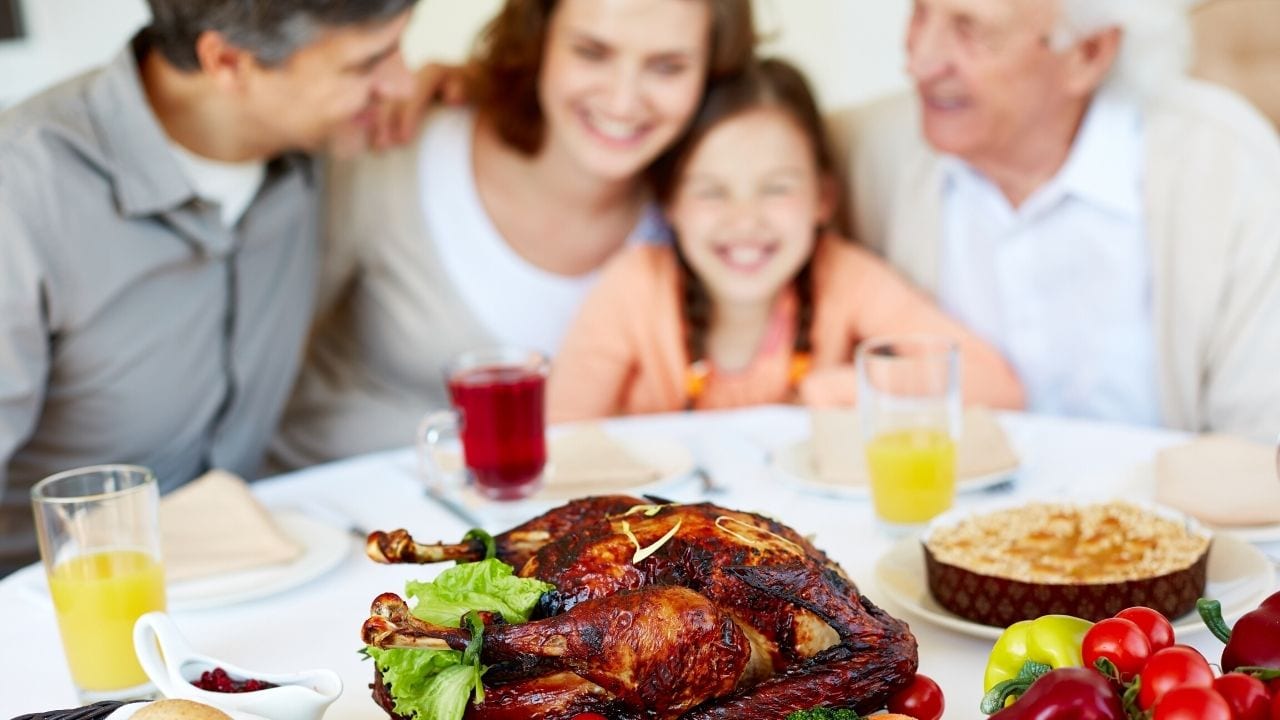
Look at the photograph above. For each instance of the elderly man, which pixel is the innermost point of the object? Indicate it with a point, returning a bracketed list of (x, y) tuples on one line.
[(158, 236), (1111, 225)]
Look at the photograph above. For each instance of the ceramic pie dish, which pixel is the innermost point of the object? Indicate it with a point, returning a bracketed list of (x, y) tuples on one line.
[(1089, 560)]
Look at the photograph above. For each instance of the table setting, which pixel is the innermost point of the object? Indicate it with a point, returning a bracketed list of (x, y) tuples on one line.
[(274, 576)]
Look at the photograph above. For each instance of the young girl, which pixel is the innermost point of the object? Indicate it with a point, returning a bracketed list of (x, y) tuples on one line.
[(757, 302)]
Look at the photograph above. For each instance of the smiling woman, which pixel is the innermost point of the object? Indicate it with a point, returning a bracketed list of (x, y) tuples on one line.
[(491, 228)]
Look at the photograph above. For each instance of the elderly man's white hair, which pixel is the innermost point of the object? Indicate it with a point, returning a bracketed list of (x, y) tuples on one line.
[(1156, 44)]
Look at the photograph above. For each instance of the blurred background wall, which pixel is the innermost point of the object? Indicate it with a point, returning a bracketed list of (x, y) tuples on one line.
[(851, 49)]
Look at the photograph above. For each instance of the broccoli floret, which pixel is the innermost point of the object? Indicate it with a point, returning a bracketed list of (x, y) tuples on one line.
[(824, 714)]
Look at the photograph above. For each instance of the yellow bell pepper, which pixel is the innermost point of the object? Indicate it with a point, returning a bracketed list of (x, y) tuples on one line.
[(1046, 643)]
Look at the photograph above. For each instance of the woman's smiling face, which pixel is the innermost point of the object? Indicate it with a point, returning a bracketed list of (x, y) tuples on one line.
[(620, 79)]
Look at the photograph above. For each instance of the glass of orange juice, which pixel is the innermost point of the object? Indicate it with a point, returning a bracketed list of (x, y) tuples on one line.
[(99, 533), (909, 401)]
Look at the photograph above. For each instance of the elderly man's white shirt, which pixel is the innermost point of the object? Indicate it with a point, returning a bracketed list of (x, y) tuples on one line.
[(1062, 284)]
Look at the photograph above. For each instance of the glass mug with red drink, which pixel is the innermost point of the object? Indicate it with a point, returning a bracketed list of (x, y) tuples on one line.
[(499, 413)]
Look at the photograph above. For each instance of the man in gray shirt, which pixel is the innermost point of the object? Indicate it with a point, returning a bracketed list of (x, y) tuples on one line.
[(158, 241)]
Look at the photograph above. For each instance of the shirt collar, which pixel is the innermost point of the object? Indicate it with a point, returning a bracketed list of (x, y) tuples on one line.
[(1103, 167), (146, 177)]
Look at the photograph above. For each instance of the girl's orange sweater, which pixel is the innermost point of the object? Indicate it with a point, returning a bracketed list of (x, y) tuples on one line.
[(625, 353)]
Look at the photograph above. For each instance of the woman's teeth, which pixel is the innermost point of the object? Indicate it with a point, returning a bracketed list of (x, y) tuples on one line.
[(614, 129)]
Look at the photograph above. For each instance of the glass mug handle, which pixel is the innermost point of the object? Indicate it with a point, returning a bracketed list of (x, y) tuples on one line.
[(436, 427)]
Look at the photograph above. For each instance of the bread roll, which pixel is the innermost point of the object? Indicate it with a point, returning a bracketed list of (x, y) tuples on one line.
[(179, 710)]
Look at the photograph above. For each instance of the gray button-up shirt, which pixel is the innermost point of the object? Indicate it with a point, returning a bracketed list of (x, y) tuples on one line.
[(135, 326)]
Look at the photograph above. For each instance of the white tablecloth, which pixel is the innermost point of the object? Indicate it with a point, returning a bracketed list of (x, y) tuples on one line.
[(317, 624)]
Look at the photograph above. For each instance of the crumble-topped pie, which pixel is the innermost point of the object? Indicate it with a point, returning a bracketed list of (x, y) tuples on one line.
[(1087, 560), (1055, 543)]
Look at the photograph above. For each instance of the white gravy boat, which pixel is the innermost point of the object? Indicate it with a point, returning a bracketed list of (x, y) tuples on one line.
[(171, 663)]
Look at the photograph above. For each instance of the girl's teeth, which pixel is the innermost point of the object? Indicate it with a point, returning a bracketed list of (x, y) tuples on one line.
[(745, 255)]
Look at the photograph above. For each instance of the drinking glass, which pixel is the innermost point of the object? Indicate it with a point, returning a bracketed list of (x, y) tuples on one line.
[(499, 412), (909, 400), (99, 533)]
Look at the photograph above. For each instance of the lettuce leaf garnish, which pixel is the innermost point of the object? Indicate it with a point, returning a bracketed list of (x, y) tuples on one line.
[(429, 683), (485, 585), (438, 684)]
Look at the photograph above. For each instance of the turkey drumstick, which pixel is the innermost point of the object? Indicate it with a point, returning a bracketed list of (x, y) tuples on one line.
[(658, 649), (514, 546), (876, 655)]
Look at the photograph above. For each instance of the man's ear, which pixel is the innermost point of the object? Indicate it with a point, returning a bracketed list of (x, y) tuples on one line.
[(226, 64), (1091, 59)]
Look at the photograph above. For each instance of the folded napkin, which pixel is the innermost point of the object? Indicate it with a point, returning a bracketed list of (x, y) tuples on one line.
[(1220, 480), (587, 460), (214, 525), (838, 457)]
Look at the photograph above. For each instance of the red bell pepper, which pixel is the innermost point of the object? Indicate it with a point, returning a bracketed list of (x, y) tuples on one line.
[(1067, 694), (1254, 642)]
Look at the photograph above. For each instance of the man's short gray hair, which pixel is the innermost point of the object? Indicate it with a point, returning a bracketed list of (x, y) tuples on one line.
[(1156, 44), (273, 30)]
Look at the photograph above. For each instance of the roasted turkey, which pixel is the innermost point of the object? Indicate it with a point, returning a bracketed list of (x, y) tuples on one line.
[(663, 611)]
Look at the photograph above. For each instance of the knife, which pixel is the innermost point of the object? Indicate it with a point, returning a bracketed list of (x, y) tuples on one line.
[(452, 507)]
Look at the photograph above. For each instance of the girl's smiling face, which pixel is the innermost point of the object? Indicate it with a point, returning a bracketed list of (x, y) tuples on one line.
[(748, 203)]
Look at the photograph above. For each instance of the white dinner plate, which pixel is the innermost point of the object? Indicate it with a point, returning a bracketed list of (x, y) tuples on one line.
[(670, 461), (323, 548), (1240, 577), (794, 464), (1254, 534), (1141, 482)]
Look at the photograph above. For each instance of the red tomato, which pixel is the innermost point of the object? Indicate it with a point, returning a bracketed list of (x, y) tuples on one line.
[(1154, 625), (1192, 703), (922, 699), (1247, 696), (1173, 667), (1275, 707), (589, 716), (1120, 641)]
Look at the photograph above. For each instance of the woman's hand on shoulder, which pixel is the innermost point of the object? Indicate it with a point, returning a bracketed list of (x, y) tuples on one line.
[(398, 121)]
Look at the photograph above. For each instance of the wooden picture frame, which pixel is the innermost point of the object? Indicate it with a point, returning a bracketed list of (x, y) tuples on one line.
[(11, 20)]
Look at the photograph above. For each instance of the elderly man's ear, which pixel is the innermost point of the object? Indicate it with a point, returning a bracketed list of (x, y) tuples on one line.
[(1090, 59)]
